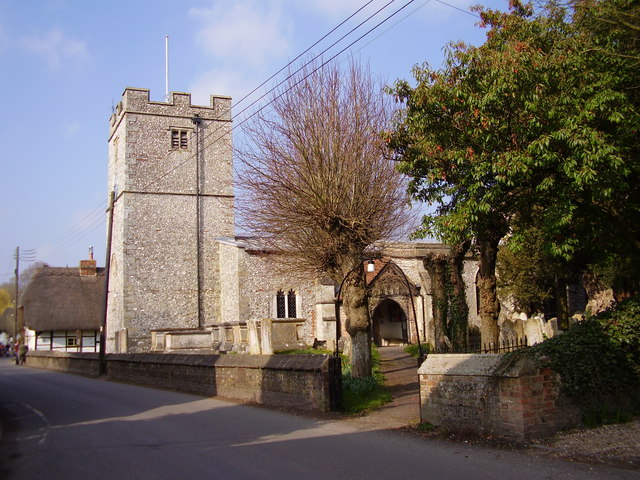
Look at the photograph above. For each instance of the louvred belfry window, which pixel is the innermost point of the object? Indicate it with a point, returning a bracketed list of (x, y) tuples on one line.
[(179, 139)]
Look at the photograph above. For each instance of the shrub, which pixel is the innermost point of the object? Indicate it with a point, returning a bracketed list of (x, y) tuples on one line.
[(598, 360), (413, 349)]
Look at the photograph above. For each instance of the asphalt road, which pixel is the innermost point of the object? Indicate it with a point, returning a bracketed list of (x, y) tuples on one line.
[(59, 426)]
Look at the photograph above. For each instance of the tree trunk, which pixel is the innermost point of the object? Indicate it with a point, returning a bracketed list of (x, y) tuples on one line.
[(360, 354), (357, 323), (436, 267), (489, 304), (459, 314)]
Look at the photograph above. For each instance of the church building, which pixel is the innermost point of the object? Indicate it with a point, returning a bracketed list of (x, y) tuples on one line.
[(181, 280)]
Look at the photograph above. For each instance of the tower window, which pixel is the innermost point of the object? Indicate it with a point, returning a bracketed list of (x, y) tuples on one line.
[(179, 139)]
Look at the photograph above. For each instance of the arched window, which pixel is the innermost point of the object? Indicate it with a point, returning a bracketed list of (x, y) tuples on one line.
[(281, 305), (286, 304), (291, 304)]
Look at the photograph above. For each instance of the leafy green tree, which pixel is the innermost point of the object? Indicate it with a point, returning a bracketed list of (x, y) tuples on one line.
[(610, 31), (515, 133), (525, 275)]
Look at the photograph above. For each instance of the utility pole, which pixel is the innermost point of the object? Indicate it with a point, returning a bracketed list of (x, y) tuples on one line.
[(197, 121), (107, 269), (15, 304)]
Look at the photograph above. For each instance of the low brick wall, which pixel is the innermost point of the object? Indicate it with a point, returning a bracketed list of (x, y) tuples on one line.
[(295, 381), (461, 392)]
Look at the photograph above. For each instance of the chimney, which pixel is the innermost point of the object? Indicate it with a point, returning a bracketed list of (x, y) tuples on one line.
[(88, 268)]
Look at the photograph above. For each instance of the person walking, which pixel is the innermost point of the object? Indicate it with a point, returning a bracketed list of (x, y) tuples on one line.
[(22, 353)]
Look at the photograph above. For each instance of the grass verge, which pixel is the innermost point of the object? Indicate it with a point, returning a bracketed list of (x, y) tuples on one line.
[(361, 394), (413, 349)]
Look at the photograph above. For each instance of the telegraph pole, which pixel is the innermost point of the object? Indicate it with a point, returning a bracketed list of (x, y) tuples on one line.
[(197, 121), (102, 368), (15, 304)]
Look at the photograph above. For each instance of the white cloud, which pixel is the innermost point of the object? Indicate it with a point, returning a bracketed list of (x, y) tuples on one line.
[(339, 8), (71, 129), (220, 82), (246, 31), (56, 48)]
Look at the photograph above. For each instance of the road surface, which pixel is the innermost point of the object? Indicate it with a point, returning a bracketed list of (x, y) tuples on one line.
[(60, 426)]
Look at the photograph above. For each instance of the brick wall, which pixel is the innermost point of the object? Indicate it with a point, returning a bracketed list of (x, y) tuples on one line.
[(462, 392), (294, 381)]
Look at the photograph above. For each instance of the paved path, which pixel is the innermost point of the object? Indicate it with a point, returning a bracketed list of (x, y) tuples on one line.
[(401, 378)]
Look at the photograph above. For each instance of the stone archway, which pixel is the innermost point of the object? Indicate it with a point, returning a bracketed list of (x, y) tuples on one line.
[(389, 323)]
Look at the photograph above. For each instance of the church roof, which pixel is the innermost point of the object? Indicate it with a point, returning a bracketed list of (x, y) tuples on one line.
[(62, 299)]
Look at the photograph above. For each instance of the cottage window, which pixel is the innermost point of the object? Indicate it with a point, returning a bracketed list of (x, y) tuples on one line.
[(286, 304), (179, 139)]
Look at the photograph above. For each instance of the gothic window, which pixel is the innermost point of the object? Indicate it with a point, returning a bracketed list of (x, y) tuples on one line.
[(281, 305), (286, 304), (179, 139), (291, 304)]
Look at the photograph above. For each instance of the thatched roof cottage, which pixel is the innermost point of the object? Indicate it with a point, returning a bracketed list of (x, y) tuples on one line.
[(62, 308)]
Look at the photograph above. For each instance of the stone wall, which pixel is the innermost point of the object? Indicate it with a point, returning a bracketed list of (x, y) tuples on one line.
[(462, 392), (86, 364), (293, 381), (251, 280)]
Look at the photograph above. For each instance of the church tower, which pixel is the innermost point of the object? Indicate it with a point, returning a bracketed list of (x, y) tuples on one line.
[(170, 168)]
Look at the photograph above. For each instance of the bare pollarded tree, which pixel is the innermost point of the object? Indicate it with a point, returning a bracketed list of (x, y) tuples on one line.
[(315, 180)]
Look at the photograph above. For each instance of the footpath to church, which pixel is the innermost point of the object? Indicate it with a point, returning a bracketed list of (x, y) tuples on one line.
[(400, 371)]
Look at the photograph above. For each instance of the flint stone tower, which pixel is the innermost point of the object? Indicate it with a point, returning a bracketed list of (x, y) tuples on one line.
[(170, 166)]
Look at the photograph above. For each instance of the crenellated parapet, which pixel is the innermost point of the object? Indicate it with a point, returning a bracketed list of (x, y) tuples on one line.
[(137, 100)]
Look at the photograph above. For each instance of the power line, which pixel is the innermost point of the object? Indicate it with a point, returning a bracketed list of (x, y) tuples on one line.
[(90, 222), (95, 218), (304, 52), (458, 8), (82, 224), (314, 58), (155, 181), (326, 62), (89, 229), (420, 7)]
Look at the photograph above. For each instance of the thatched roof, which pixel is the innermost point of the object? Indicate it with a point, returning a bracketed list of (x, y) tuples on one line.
[(61, 299)]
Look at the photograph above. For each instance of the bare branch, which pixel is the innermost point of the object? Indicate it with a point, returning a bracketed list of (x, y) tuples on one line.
[(314, 177)]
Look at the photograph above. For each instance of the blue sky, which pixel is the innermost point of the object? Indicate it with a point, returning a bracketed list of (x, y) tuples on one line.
[(65, 63)]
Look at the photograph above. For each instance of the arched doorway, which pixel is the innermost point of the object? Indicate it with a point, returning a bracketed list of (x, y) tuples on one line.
[(389, 324)]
